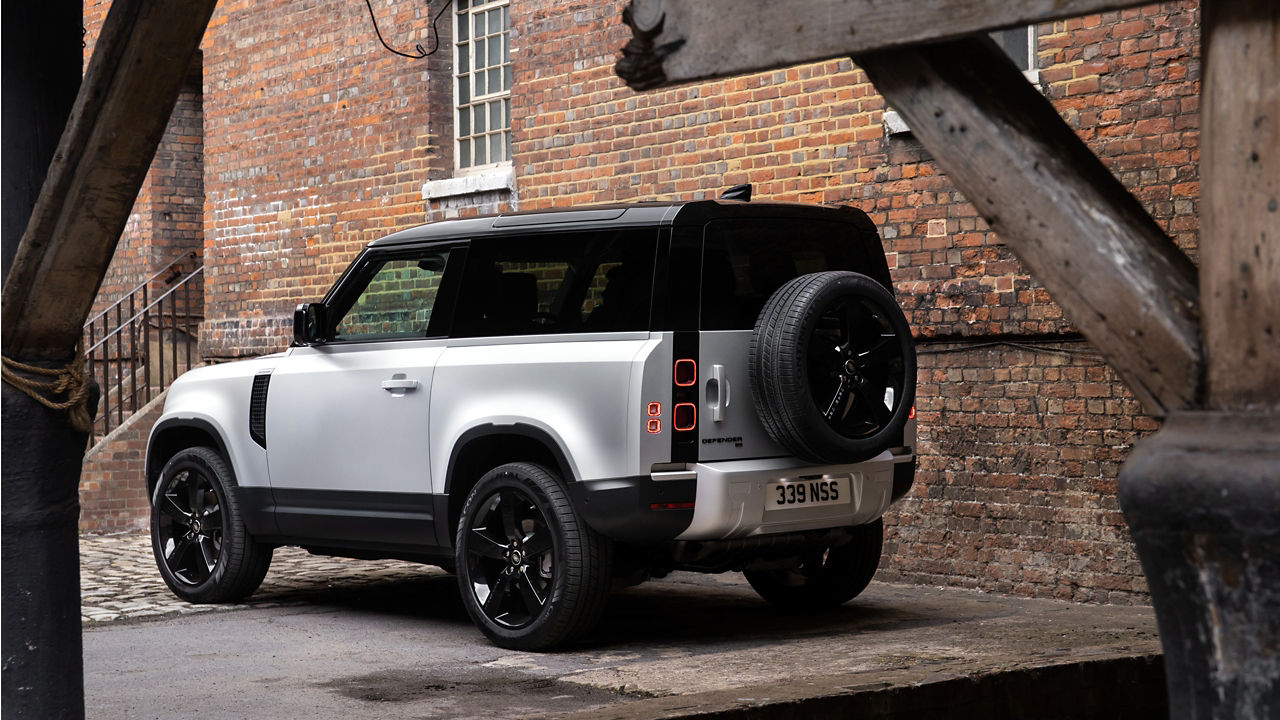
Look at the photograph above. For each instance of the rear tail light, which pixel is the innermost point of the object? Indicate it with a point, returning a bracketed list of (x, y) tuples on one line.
[(684, 417), (653, 423), (912, 415), (671, 506), (686, 372)]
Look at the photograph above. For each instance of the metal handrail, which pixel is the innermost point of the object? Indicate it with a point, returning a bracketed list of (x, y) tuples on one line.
[(127, 357), (143, 311), (147, 283)]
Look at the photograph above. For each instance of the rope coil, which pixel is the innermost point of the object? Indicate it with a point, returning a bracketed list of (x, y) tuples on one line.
[(69, 382)]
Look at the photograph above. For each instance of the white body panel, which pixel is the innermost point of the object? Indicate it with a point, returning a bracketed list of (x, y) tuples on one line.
[(332, 425), (572, 387), (219, 395)]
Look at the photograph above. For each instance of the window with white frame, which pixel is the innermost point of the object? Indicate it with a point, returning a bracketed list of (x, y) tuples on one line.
[(482, 91), (1020, 45)]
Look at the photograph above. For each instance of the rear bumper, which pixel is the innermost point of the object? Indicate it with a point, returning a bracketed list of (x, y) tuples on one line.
[(729, 499), (732, 503), (636, 509)]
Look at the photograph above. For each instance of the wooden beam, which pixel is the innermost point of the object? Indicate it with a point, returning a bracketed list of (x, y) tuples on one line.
[(134, 77), (1240, 204), (677, 41), (1120, 279)]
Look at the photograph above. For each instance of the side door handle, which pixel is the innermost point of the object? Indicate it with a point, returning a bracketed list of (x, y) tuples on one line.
[(399, 384)]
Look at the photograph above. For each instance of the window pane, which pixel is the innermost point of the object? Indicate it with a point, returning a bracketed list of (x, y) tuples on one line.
[(396, 303), (495, 116), (495, 21), (480, 44), (506, 77), (462, 5), (464, 58), (478, 116), (745, 261), (463, 25), (480, 158), (464, 153), (495, 79), (495, 52), (464, 90), (506, 112), (1014, 42), (495, 148), (566, 283), (506, 49), (506, 137), (480, 86), (479, 18), (506, 18), (464, 122)]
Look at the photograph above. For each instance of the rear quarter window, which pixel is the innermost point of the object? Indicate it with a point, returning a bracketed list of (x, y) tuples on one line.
[(572, 282)]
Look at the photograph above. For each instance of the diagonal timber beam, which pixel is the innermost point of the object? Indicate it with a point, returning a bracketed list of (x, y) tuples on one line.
[(681, 40), (1119, 278), (117, 121)]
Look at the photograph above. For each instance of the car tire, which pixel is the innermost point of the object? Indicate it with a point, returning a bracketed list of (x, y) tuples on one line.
[(832, 367), (827, 578), (198, 537), (531, 573)]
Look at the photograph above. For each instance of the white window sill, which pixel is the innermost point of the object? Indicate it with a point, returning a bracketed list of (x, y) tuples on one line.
[(502, 177)]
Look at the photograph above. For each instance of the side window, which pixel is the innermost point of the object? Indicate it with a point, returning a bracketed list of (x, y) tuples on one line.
[(598, 281), (745, 261), (397, 301)]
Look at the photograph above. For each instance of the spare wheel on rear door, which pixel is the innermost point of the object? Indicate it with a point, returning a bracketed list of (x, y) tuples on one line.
[(833, 367)]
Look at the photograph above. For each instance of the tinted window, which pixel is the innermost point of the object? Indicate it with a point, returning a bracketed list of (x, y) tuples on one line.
[(745, 261), (566, 283), (397, 301)]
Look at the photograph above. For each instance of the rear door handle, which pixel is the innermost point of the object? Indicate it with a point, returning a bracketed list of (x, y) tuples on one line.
[(718, 393)]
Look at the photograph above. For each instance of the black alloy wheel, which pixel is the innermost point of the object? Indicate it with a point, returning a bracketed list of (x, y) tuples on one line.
[(198, 537), (532, 574), (190, 527), (856, 367), (510, 559)]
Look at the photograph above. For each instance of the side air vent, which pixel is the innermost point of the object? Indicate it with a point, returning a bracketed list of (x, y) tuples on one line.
[(258, 409)]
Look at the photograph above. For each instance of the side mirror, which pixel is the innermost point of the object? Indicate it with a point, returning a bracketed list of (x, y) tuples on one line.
[(308, 323)]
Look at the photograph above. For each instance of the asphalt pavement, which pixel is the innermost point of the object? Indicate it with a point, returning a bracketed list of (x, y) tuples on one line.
[(334, 638)]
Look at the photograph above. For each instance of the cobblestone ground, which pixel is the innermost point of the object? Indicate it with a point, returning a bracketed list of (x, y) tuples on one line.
[(119, 579)]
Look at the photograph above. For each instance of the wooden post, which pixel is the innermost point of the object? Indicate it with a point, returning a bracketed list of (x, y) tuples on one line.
[(1202, 496), (681, 40), (1240, 204), (101, 160)]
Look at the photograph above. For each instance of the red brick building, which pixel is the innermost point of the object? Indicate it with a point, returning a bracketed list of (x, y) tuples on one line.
[(314, 139)]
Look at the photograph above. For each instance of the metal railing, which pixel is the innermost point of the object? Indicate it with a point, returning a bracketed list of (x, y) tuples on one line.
[(136, 347)]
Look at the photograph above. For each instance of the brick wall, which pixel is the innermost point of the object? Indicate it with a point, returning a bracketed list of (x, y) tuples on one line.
[(317, 141), (1015, 491)]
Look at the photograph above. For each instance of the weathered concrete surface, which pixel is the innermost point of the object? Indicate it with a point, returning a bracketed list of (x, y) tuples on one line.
[(400, 646)]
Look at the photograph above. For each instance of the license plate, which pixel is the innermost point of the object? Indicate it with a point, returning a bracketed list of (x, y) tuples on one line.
[(781, 494)]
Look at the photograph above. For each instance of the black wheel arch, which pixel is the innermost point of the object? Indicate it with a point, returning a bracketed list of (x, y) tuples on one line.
[(171, 436), (484, 447)]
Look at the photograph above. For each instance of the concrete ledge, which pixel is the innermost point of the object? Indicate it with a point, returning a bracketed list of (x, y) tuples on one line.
[(1114, 687), (498, 178)]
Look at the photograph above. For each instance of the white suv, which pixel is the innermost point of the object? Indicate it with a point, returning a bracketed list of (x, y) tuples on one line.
[(552, 404)]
